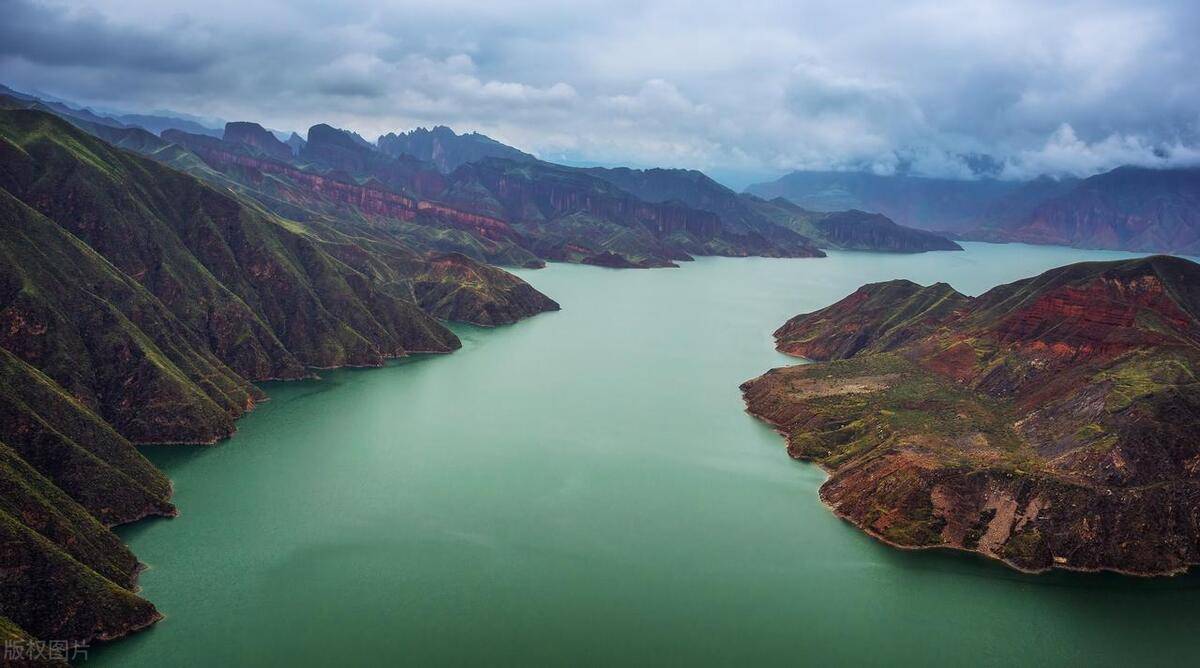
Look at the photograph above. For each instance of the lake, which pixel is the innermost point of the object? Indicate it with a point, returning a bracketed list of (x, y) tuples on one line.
[(584, 487)]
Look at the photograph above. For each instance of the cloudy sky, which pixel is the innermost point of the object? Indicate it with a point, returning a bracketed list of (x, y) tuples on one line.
[(741, 89)]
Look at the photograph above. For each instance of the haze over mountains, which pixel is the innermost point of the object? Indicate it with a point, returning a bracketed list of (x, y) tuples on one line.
[(1127, 208)]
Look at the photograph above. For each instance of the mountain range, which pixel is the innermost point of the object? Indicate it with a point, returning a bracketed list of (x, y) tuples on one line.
[(445, 149), (1128, 208), (467, 193)]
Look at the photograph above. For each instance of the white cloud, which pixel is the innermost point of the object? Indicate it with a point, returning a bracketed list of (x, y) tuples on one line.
[(1065, 153)]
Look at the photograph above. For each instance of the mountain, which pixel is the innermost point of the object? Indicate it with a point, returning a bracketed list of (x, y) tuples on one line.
[(253, 134), (154, 123), (495, 210), (340, 149), (138, 305), (381, 201), (296, 143), (913, 201), (572, 214), (157, 123), (1044, 423), (778, 219), (698, 191), (337, 179), (850, 230), (17, 100), (445, 149), (1128, 208)]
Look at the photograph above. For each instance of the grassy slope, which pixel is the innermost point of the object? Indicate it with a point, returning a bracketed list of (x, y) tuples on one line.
[(262, 291), (92, 329)]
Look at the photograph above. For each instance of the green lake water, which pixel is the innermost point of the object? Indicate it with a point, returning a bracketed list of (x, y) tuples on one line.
[(584, 487)]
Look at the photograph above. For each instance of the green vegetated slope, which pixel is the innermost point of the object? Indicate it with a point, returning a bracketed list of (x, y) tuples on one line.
[(138, 305)]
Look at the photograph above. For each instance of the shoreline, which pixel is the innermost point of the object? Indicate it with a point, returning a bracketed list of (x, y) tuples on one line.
[(1147, 575)]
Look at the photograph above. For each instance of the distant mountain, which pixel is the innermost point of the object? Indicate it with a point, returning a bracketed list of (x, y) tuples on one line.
[(688, 186), (925, 203), (355, 189), (296, 143), (151, 122), (571, 214), (851, 230), (341, 149), (773, 219), (17, 100), (1128, 208), (157, 124), (253, 134), (445, 149), (1048, 423)]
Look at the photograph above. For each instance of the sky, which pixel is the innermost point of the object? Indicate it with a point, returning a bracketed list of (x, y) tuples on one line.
[(744, 90)]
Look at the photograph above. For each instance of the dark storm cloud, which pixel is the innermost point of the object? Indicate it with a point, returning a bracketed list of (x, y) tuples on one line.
[(755, 87), (64, 36)]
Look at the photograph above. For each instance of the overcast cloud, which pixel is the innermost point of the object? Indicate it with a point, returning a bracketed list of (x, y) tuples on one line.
[(735, 88)]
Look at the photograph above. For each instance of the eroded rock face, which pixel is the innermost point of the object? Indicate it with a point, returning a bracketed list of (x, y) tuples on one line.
[(1047, 423)]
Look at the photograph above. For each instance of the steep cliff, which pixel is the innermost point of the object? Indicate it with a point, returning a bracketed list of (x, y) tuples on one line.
[(1044, 423)]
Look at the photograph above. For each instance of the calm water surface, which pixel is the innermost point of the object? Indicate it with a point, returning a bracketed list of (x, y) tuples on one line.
[(585, 487)]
